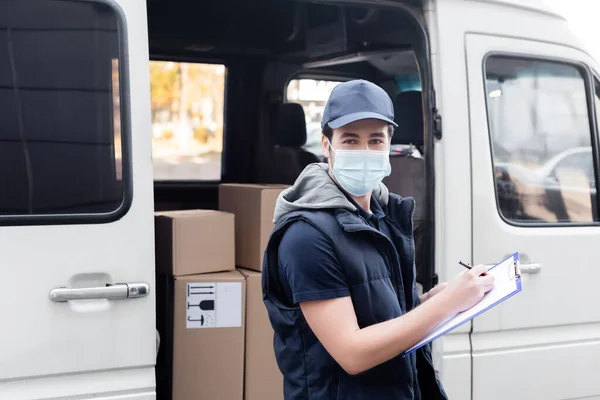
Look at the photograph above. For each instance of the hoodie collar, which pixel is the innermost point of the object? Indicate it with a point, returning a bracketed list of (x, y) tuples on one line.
[(315, 190)]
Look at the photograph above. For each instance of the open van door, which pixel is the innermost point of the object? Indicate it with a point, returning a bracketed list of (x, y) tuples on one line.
[(76, 204), (534, 154)]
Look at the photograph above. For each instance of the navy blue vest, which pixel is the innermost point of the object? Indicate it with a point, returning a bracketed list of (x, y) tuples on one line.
[(380, 291)]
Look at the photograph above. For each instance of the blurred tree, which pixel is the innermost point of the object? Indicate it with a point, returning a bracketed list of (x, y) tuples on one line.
[(192, 95), (164, 86)]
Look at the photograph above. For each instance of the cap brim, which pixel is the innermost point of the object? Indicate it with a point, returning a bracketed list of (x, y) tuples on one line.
[(350, 118)]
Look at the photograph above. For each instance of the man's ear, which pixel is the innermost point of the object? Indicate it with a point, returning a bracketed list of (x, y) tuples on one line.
[(326, 148)]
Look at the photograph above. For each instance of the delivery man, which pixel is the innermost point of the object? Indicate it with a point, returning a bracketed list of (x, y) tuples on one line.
[(339, 276)]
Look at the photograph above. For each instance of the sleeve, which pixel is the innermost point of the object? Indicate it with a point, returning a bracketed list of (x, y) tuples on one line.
[(309, 264)]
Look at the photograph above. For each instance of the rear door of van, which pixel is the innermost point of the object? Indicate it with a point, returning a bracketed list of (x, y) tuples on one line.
[(534, 155), (76, 201)]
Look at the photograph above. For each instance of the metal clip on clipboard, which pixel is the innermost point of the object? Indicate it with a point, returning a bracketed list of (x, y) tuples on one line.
[(516, 270)]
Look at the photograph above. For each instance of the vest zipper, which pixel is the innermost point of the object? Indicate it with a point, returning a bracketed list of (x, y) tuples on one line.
[(412, 246)]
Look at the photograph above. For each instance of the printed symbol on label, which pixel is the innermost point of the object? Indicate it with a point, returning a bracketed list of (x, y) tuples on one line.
[(206, 305), (203, 319), (209, 289)]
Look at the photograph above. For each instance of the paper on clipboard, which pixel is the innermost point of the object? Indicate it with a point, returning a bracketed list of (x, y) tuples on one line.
[(507, 283)]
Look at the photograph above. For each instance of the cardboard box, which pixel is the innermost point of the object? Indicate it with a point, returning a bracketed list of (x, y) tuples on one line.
[(253, 206), (208, 336), (194, 242), (263, 379)]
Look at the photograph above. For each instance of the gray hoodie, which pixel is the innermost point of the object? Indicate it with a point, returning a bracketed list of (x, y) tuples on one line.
[(315, 190)]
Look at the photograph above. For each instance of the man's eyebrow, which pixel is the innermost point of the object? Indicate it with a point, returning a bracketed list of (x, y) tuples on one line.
[(378, 134), (349, 134)]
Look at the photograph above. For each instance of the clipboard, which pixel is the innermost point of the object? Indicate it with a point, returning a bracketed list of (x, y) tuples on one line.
[(507, 284)]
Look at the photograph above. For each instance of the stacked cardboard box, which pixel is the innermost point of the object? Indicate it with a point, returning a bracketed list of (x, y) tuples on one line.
[(200, 307), (216, 338), (253, 206), (208, 348), (263, 379), (194, 242)]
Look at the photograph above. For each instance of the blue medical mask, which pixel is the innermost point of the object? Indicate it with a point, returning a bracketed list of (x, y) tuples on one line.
[(360, 171)]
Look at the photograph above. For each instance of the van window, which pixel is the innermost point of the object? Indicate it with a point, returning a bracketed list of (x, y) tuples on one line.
[(60, 138), (187, 120), (541, 141), (312, 95)]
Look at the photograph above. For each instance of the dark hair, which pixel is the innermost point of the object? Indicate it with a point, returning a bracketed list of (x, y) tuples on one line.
[(328, 132)]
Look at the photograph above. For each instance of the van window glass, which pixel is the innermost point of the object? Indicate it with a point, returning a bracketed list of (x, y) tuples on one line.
[(187, 120), (541, 141), (60, 131), (312, 95)]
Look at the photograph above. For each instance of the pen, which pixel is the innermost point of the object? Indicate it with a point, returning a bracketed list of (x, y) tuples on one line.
[(468, 266)]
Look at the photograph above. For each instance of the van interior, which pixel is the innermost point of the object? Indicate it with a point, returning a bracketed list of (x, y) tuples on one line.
[(264, 45)]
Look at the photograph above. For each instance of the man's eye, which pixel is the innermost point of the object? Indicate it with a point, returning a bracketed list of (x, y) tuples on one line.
[(350, 141)]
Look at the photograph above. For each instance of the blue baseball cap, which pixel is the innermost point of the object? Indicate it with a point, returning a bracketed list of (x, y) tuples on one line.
[(355, 100)]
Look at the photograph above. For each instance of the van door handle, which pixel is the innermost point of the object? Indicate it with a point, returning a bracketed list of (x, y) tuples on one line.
[(532, 268), (117, 291)]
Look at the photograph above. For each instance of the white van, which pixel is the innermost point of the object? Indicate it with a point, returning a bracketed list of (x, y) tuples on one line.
[(497, 98)]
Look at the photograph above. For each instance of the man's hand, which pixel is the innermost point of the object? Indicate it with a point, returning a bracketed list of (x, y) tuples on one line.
[(468, 289), (437, 289)]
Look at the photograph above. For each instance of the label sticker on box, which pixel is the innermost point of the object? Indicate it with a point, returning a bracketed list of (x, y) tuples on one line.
[(214, 305)]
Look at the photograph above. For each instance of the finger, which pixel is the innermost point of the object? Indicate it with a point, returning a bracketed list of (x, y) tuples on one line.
[(479, 269), (487, 280)]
